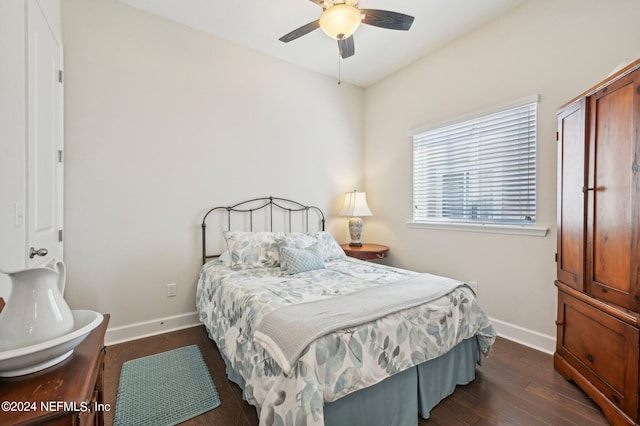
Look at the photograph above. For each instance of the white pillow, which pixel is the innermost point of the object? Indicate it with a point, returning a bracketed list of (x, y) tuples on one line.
[(225, 258)]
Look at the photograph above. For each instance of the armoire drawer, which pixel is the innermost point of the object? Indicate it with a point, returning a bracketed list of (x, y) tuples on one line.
[(601, 348)]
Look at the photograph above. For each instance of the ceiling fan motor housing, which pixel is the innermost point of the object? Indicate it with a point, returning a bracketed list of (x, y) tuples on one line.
[(340, 21)]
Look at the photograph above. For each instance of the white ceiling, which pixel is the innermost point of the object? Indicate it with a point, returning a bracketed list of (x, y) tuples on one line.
[(258, 24)]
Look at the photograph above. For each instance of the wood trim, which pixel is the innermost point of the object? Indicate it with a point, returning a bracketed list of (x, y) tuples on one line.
[(629, 317), (618, 75)]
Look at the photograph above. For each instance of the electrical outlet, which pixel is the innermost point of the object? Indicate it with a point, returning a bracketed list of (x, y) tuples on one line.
[(172, 289), (474, 286)]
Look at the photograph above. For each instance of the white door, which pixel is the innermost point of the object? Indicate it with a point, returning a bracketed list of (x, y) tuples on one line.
[(44, 140)]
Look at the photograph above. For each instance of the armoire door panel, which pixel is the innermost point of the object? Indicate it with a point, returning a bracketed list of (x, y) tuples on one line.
[(610, 208), (571, 172)]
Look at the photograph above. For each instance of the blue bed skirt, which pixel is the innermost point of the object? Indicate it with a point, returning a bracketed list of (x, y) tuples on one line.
[(397, 400)]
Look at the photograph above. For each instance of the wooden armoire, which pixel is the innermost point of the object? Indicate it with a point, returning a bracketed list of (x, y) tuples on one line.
[(599, 244)]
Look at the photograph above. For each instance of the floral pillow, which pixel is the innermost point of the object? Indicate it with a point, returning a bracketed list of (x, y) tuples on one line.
[(298, 260), (253, 249), (330, 247), (327, 245)]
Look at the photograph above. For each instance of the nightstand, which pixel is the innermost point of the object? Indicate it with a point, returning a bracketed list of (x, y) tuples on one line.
[(69, 393), (367, 251)]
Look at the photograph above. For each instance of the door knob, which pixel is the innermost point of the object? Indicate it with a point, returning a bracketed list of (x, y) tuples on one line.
[(40, 252)]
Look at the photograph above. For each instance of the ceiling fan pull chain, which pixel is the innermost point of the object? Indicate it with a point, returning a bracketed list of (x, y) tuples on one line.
[(339, 74)]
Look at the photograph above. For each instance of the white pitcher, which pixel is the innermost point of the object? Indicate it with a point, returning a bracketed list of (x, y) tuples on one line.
[(36, 311)]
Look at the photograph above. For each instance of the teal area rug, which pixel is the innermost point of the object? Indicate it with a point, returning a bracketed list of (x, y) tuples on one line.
[(165, 389)]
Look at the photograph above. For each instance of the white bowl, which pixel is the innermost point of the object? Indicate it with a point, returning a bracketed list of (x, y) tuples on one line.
[(29, 359)]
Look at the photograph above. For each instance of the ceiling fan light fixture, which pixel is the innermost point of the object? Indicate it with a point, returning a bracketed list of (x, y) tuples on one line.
[(340, 21)]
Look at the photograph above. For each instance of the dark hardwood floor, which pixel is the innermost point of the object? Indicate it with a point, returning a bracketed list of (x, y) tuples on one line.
[(516, 385)]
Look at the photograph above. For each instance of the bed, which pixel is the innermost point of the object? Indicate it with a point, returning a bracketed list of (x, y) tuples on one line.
[(314, 337)]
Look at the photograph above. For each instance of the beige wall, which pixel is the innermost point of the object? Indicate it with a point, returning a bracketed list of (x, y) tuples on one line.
[(556, 49), (163, 122)]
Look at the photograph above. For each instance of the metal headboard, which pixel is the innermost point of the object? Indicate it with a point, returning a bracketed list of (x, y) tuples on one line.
[(288, 207)]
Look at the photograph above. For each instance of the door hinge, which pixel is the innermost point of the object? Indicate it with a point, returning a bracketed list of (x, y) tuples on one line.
[(60, 235), (557, 136), (60, 76), (60, 156), (556, 257)]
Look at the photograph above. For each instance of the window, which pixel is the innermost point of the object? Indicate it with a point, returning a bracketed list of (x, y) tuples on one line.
[(480, 171)]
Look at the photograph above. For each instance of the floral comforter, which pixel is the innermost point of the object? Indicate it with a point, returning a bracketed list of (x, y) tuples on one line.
[(231, 302)]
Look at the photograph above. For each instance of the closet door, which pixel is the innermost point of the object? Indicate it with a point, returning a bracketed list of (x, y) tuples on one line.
[(571, 199), (613, 193), (44, 139)]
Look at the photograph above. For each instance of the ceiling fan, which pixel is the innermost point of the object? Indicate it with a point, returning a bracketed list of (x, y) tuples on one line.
[(341, 18)]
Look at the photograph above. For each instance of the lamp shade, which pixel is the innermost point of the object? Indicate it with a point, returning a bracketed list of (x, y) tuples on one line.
[(340, 21), (355, 204)]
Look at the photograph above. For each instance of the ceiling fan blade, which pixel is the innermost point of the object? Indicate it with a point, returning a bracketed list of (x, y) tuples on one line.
[(318, 2), (346, 46), (299, 32), (387, 19)]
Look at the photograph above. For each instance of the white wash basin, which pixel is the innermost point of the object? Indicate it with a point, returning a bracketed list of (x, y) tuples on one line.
[(29, 359)]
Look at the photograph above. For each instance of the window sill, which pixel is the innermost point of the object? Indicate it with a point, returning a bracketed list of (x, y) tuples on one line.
[(533, 231)]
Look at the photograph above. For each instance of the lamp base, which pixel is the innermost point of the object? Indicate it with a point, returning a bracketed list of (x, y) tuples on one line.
[(355, 231)]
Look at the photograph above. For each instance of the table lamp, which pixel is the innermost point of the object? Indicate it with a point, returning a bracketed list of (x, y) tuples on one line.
[(355, 206)]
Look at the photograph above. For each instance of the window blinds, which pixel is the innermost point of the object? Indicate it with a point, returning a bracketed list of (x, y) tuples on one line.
[(478, 171)]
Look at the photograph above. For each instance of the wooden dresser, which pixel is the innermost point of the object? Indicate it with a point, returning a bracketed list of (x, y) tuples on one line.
[(599, 244), (69, 393)]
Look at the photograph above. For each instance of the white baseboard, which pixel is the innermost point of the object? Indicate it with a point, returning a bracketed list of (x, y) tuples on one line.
[(524, 336), (139, 330)]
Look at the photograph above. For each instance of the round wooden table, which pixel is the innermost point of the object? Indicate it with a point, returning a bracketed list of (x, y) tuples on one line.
[(366, 251)]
